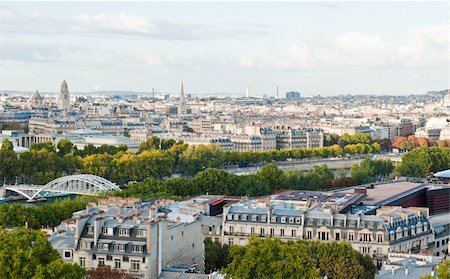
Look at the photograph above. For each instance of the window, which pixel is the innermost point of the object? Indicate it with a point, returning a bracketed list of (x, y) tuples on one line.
[(103, 246), (119, 247), (273, 219), (90, 230), (236, 217), (309, 235), (338, 236), (297, 220), (136, 249), (141, 233), (231, 229), (135, 265), (82, 261), (67, 254), (293, 233), (124, 232), (282, 232), (264, 218), (230, 216), (283, 219), (117, 263), (262, 231), (106, 231), (171, 237), (252, 230), (244, 217), (291, 220), (351, 237), (85, 245), (101, 261), (380, 238), (230, 241), (272, 232), (254, 218)]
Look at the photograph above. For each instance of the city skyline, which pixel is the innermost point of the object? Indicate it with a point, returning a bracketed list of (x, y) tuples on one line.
[(226, 47)]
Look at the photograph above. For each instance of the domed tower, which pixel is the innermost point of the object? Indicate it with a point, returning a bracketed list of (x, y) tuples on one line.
[(64, 97)]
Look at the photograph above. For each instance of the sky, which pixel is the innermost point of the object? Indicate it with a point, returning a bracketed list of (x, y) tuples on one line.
[(325, 48)]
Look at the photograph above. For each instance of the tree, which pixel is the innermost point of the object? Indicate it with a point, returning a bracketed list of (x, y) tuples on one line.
[(9, 162), (64, 146), (48, 145), (270, 258), (28, 254), (216, 255), (152, 143), (271, 174)]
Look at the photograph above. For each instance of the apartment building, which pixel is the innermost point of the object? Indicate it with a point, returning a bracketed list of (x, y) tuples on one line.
[(127, 235), (392, 229)]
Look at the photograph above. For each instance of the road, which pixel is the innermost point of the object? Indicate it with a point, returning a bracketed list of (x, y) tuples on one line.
[(333, 163)]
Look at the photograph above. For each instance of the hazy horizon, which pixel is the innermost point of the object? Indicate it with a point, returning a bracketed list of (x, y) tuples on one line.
[(326, 48)]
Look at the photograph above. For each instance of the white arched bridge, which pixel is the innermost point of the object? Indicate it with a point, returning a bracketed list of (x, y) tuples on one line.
[(80, 184)]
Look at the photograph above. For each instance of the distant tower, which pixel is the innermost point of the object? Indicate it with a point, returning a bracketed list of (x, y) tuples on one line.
[(36, 100), (247, 93), (277, 91), (64, 97), (182, 105)]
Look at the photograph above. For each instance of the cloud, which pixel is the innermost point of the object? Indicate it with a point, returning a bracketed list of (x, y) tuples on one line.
[(148, 56), (246, 62), (123, 23), (11, 49), (355, 50), (13, 22)]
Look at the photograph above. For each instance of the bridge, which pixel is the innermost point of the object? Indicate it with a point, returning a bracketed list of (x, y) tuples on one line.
[(80, 184)]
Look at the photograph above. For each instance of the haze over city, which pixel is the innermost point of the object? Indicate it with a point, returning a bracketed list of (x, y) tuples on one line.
[(325, 48)]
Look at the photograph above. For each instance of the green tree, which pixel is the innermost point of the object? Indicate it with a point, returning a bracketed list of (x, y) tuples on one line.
[(9, 162), (152, 143), (28, 254), (271, 174), (270, 258), (64, 146), (48, 145), (216, 255)]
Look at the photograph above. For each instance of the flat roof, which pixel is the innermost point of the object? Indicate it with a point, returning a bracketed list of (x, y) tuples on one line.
[(385, 191)]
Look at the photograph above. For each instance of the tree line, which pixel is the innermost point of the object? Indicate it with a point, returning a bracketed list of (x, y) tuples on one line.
[(268, 180), (156, 158), (273, 258), (424, 161)]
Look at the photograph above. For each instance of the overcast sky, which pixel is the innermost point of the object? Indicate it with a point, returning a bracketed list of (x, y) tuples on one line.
[(316, 48)]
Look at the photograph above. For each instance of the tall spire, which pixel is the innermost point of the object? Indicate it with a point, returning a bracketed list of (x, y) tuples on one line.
[(182, 105)]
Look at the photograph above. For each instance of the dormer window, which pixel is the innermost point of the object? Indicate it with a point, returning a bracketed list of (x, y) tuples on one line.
[(263, 218), (230, 216), (291, 220), (236, 217), (273, 219), (244, 217), (119, 247), (141, 233), (254, 217), (297, 220), (137, 249), (283, 219), (124, 232), (103, 246), (90, 230)]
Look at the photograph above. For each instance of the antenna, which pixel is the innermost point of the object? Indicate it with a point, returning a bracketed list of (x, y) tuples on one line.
[(153, 93), (277, 91)]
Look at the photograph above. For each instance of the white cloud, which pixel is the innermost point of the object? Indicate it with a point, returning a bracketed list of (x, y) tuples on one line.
[(148, 56), (107, 23), (354, 50), (246, 62)]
